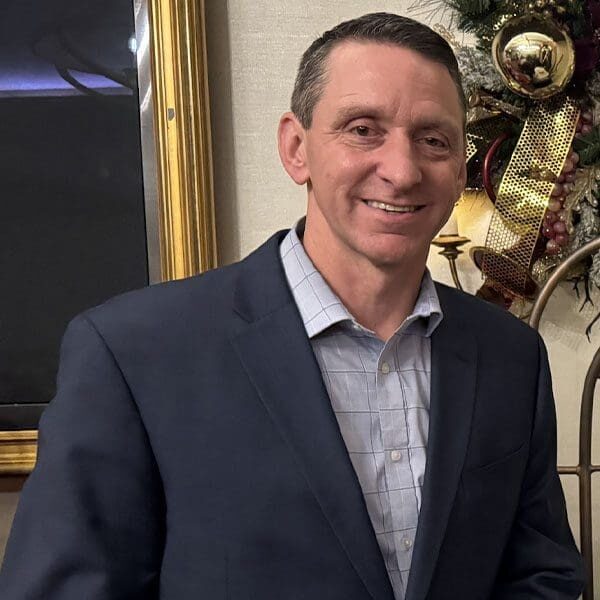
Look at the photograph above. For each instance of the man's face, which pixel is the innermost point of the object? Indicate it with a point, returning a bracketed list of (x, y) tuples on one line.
[(384, 156)]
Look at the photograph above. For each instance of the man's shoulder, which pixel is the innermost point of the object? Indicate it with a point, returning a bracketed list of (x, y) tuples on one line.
[(204, 300), (159, 300), (485, 319)]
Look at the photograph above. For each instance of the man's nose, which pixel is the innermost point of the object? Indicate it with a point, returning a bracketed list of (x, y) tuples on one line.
[(398, 163)]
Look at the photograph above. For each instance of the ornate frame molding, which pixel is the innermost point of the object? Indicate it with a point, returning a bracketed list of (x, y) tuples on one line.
[(182, 134), (18, 450)]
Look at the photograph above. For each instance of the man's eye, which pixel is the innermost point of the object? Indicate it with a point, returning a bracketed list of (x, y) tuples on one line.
[(362, 130), (435, 142)]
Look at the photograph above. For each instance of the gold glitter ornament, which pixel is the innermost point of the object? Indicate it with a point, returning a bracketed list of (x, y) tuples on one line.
[(534, 56), (524, 194)]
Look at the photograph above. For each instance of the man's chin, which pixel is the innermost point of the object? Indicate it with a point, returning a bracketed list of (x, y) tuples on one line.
[(387, 259), (397, 258)]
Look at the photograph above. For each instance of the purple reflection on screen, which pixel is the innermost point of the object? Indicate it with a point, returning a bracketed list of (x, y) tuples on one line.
[(50, 82)]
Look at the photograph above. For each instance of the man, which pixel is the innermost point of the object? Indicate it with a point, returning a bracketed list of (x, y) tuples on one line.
[(318, 421)]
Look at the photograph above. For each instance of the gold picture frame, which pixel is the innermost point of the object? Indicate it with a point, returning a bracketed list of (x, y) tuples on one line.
[(182, 135), (182, 165)]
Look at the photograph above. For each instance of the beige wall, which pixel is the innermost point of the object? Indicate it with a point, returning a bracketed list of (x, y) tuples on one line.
[(254, 47), (9, 495)]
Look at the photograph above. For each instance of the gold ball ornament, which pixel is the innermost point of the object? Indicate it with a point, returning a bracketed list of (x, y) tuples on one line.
[(535, 57)]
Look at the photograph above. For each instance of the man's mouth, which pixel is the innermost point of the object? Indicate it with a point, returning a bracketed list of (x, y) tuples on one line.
[(392, 207)]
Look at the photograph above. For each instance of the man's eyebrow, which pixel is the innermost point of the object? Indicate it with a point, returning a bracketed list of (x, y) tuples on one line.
[(354, 111), (440, 123)]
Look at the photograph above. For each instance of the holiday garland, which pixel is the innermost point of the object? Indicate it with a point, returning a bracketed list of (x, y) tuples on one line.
[(533, 83)]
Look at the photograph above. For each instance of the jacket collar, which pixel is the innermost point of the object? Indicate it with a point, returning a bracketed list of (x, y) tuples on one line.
[(453, 387), (277, 356)]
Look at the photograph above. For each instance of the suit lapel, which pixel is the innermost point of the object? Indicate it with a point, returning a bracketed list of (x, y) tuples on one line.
[(276, 353), (453, 380)]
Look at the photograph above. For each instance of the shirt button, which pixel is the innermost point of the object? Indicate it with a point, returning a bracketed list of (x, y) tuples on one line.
[(407, 543), (395, 455), (385, 368)]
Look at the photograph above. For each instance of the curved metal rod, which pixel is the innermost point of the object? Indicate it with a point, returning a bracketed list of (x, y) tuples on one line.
[(557, 276), (487, 165), (585, 473), (585, 468), (454, 273)]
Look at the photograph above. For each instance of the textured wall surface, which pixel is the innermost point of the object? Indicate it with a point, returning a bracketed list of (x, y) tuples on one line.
[(9, 495)]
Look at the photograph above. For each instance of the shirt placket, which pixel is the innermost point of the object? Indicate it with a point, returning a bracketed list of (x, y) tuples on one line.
[(395, 434)]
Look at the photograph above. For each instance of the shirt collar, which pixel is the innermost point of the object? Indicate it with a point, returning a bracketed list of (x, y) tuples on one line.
[(320, 308)]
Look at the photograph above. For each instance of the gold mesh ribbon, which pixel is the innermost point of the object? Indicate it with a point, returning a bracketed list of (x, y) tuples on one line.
[(525, 192), (481, 133)]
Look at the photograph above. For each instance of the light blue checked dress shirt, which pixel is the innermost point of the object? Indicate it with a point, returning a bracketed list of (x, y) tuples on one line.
[(380, 396)]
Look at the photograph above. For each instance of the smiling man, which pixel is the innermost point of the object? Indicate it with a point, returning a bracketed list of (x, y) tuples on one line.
[(384, 161), (321, 420)]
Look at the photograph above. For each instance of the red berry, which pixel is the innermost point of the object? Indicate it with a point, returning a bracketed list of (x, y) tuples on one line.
[(562, 239), (552, 247), (554, 205), (559, 227)]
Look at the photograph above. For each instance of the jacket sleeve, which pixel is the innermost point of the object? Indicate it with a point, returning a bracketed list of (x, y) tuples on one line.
[(90, 520), (541, 560)]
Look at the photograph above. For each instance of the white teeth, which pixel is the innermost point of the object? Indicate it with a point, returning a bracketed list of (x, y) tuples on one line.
[(391, 208)]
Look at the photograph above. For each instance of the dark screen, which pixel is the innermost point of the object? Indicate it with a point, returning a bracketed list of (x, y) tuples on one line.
[(72, 230)]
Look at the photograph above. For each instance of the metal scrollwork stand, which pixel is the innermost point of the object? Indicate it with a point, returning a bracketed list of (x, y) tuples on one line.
[(585, 468)]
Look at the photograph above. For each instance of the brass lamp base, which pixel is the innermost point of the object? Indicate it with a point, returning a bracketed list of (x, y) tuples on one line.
[(450, 245)]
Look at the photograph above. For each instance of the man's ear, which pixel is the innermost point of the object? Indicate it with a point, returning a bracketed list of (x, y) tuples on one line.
[(292, 148)]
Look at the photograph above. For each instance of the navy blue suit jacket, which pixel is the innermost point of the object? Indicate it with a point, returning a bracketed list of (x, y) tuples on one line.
[(191, 452)]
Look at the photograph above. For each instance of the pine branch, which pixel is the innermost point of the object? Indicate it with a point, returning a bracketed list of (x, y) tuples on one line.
[(431, 11), (588, 147), (479, 8), (480, 17)]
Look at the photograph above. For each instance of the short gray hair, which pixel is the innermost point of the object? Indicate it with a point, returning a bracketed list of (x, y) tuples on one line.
[(383, 28)]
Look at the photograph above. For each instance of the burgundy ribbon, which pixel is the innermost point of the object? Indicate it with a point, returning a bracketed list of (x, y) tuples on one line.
[(593, 7)]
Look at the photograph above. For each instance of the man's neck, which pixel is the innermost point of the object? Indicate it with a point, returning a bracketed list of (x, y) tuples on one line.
[(379, 299)]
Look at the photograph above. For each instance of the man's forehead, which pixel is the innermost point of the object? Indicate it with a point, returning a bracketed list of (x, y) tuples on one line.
[(356, 48), (354, 84), (363, 62)]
